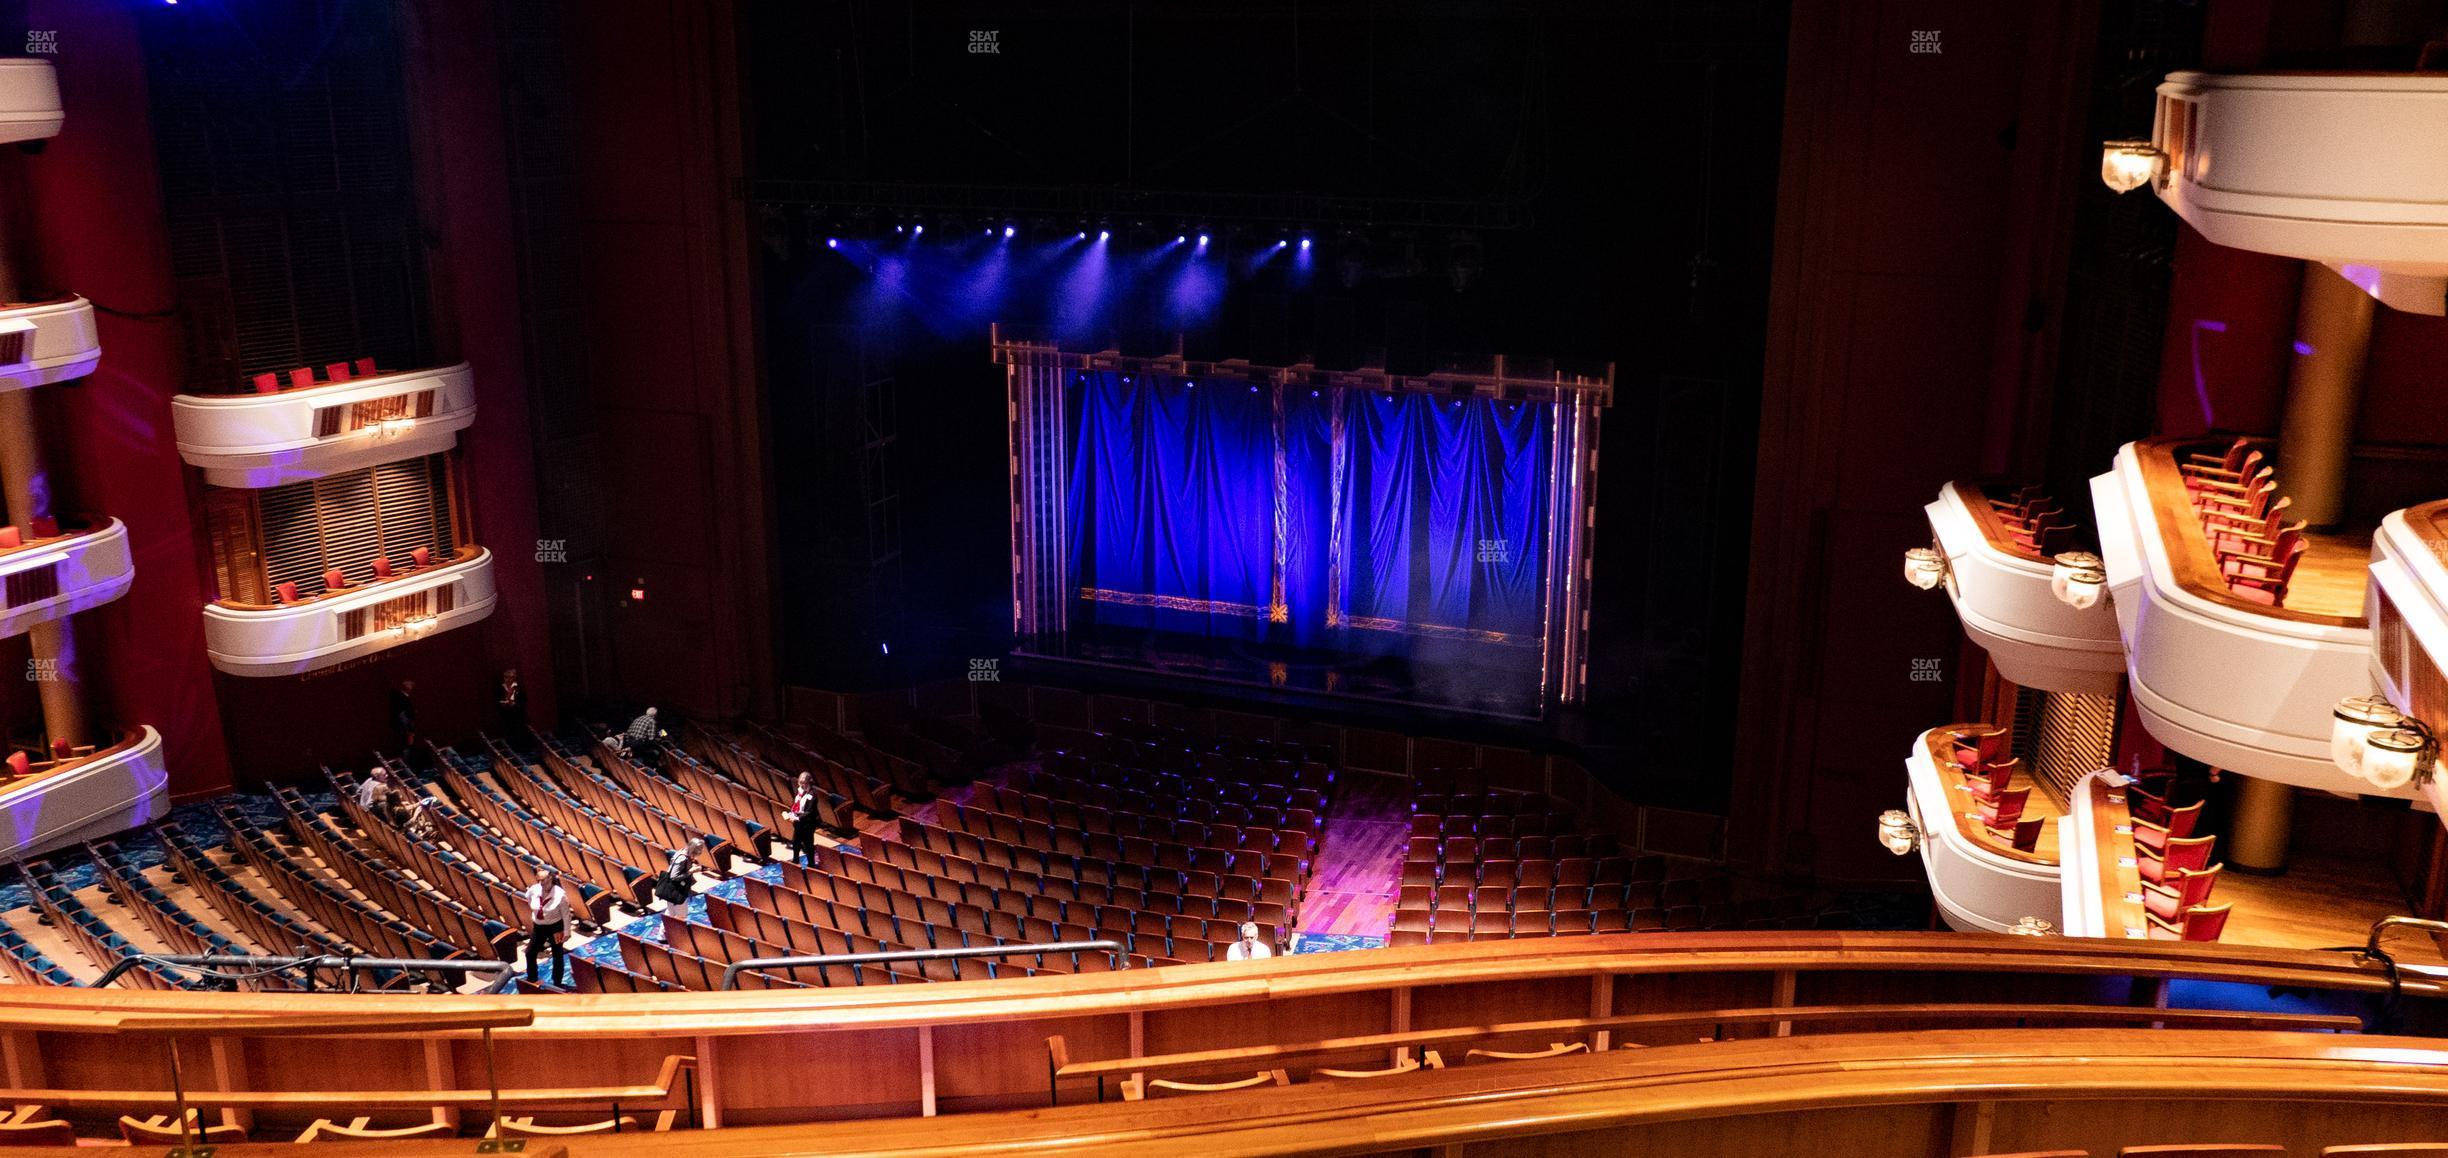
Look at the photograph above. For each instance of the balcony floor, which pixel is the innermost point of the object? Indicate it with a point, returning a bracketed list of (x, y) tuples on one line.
[(2330, 579), (2322, 902)]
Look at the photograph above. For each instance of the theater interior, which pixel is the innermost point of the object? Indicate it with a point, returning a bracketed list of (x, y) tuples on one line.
[(709, 577)]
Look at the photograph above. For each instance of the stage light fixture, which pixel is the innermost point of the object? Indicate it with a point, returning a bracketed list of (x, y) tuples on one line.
[(2128, 165), (1304, 245), (2078, 579), (1008, 231), (1178, 238), (1898, 832), (832, 243), (2353, 721), (1104, 235), (1925, 567), (1082, 235), (1202, 241), (916, 230), (900, 228)]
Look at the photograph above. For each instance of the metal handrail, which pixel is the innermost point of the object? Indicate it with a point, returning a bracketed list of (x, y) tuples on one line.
[(270, 962), (2371, 948), (731, 972)]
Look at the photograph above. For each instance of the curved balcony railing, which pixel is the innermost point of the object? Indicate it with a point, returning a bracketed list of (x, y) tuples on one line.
[(29, 100), (62, 575), (1981, 882), (2002, 592), (249, 639), (2409, 620), (116, 788), (284, 436), (2223, 679), (2347, 169), (46, 342)]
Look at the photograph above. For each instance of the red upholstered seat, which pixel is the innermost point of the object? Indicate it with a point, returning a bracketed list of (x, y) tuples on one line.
[(10, 538), (333, 580), (421, 556), (301, 377), (2181, 891), (2027, 833), (2182, 854), (60, 749), (18, 764), (382, 567), (45, 527), (2199, 923), (286, 592), (267, 383), (337, 371), (2005, 809), (365, 367)]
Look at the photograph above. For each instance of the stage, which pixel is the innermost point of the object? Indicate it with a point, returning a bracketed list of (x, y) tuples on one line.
[(1413, 540)]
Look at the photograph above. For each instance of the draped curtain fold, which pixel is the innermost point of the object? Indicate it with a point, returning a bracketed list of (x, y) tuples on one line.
[(1338, 518)]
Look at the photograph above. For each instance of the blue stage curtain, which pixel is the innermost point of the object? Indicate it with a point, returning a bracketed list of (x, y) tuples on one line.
[(1444, 508), (1191, 503), (1172, 512)]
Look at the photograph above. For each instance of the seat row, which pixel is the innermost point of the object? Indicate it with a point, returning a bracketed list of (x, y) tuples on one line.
[(2034, 519), (1228, 835), (1986, 774), (953, 878), (1205, 807), (879, 909), (2237, 505), (1189, 883), (1252, 852), (1280, 792)]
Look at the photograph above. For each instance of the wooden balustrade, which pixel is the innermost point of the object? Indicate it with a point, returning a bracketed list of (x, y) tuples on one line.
[(816, 1054)]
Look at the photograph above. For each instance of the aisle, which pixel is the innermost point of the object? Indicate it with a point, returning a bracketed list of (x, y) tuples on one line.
[(1353, 882)]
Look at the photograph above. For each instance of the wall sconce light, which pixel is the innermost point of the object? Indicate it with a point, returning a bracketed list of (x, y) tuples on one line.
[(2128, 165), (2395, 757), (394, 427), (2033, 927), (415, 626), (2078, 579), (1925, 567), (2355, 720), (1898, 832)]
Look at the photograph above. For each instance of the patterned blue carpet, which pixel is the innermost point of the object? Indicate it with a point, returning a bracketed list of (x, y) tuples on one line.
[(196, 818), (1334, 942)]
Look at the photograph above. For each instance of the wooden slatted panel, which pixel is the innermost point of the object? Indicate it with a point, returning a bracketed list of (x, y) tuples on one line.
[(411, 508), (292, 537), (13, 347), (351, 525), (32, 585), (327, 420), (2064, 736), (347, 520)]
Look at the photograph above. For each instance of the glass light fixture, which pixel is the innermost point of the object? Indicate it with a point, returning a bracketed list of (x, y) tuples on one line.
[(1898, 832), (2392, 758), (2355, 720), (2128, 165), (2033, 927), (1924, 567), (2078, 579)]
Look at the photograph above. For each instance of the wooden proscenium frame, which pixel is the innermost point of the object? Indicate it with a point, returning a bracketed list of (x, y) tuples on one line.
[(1038, 376)]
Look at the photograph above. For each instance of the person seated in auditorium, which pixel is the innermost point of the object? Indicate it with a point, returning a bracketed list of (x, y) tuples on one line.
[(547, 920), (672, 885), (420, 822), (644, 738), (802, 818), (374, 792), (1249, 947)]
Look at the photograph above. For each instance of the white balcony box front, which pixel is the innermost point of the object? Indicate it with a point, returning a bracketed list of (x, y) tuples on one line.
[(46, 342), (29, 100), (2409, 605), (62, 576), (294, 638), (1979, 886), (2238, 686), (2002, 595), (266, 440), (111, 791), (2346, 169)]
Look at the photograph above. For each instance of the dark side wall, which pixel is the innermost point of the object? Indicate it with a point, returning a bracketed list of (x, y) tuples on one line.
[(97, 196)]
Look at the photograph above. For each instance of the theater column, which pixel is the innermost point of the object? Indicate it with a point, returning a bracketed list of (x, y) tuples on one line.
[(52, 642), (2333, 329)]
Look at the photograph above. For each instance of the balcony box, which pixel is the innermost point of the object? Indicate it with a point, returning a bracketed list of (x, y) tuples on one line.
[(2001, 593), (1980, 884), (46, 342), (2346, 169), (51, 578), (115, 789), (268, 439), (2224, 680), (29, 100), (294, 638)]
